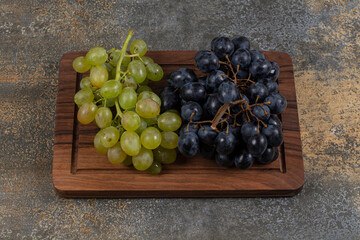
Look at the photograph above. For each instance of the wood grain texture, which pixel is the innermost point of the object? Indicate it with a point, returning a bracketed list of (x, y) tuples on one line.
[(78, 171)]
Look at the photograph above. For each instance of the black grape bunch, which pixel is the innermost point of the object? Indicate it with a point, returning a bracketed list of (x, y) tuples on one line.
[(230, 113)]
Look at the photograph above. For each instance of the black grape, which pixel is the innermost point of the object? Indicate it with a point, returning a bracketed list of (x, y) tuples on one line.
[(241, 42), (228, 92), (277, 104), (223, 46), (273, 134), (206, 134), (224, 160), (244, 159), (241, 58), (248, 130), (207, 61), (212, 104), (257, 91), (257, 144), (225, 143), (188, 109), (267, 156), (188, 144), (180, 77), (193, 91), (214, 79)]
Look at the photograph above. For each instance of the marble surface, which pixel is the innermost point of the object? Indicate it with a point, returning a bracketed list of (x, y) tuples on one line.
[(321, 36)]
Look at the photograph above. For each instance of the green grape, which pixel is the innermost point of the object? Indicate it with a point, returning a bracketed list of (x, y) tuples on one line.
[(164, 156), (96, 56), (143, 160), (108, 67), (98, 76), (130, 82), (110, 102), (130, 143), (97, 144), (154, 72), (83, 96), (150, 138), (80, 65), (169, 140), (115, 57), (103, 117), (110, 89), (143, 88), (137, 70), (147, 60), (138, 47), (147, 108), (169, 121), (127, 98), (109, 136), (130, 121), (151, 121), (86, 113), (127, 161), (85, 83), (149, 94), (143, 126), (155, 168), (115, 154)]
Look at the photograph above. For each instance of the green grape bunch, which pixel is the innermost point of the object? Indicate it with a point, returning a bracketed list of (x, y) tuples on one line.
[(116, 97)]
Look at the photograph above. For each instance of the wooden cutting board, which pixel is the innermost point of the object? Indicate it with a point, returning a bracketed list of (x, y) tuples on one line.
[(78, 171)]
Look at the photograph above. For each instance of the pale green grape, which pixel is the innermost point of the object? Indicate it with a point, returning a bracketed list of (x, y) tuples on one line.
[(116, 154), (103, 117), (109, 136), (110, 102), (96, 56), (130, 121), (127, 98), (164, 156), (97, 144), (115, 57), (155, 168), (143, 88), (138, 47), (110, 89), (98, 76), (130, 143), (149, 94), (108, 67), (150, 138), (130, 82), (83, 96), (151, 121), (147, 108), (86, 113), (154, 72), (85, 83), (169, 140), (127, 161), (147, 60), (137, 70), (143, 159), (169, 121), (80, 65), (143, 126)]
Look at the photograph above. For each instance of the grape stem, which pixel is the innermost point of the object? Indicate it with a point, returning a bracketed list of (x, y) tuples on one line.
[(123, 52), (118, 110)]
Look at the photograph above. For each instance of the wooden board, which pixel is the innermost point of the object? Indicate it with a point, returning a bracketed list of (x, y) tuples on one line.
[(78, 171)]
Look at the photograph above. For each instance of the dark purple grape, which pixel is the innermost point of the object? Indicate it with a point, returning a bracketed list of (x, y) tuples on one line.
[(261, 112), (274, 120), (255, 55), (257, 91), (277, 104), (180, 77), (207, 61), (225, 143), (268, 156), (241, 42), (193, 127), (248, 130), (206, 134), (202, 80), (223, 46), (228, 92), (243, 159), (193, 91), (242, 74), (224, 160), (273, 134), (169, 100), (274, 71), (260, 68), (212, 46), (257, 145), (212, 104), (241, 58), (188, 144), (214, 79), (272, 87), (188, 109)]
